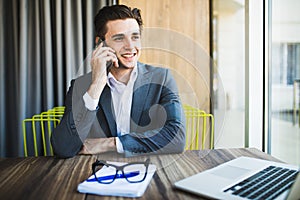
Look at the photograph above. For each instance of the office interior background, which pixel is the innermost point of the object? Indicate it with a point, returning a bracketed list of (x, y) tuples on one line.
[(254, 49)]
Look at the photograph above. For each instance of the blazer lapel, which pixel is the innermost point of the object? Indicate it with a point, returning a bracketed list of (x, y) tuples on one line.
[(140, 93), (106, 104)]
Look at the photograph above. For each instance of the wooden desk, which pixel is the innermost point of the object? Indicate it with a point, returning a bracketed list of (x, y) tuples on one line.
[(53, 178)]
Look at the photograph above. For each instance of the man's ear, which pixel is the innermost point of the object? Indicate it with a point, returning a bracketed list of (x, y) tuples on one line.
[(97, 39)]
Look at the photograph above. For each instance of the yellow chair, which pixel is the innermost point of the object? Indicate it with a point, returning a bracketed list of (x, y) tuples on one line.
[(196, 126), (41, 126)]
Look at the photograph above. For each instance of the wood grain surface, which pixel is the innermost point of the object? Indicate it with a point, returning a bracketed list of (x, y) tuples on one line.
[(55, 178)]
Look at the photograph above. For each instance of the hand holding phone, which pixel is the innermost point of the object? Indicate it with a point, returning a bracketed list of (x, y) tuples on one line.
[(109, 63), (103, 58)]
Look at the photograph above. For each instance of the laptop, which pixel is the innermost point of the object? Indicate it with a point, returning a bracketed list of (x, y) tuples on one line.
[(245, 178)]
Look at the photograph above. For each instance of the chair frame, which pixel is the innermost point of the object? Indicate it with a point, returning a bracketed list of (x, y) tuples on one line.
[(51, 117), (193, 118)]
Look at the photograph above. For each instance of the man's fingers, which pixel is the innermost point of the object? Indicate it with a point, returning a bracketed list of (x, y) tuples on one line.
[(105, 56), (100, 49)]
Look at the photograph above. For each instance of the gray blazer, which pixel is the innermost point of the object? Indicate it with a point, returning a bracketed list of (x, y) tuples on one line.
[(157, 118)]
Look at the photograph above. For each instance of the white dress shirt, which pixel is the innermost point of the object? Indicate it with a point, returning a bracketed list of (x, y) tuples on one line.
[(122, 99)]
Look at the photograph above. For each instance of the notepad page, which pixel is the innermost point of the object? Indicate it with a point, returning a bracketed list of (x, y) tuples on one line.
[(120, 187)]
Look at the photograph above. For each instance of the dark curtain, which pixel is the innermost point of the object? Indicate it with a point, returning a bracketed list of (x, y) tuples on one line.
[(43, 46)]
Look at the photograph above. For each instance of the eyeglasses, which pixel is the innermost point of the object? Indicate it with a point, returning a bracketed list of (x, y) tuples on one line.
[(134, 172)]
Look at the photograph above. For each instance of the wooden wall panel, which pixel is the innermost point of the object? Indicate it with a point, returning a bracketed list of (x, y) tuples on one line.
[(176, 35)]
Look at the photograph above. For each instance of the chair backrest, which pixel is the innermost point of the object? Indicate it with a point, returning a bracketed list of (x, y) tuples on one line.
[(38, 129), (199, 128), (37, 132)]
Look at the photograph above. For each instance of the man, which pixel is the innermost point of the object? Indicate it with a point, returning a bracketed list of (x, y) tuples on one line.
[(122, 105)]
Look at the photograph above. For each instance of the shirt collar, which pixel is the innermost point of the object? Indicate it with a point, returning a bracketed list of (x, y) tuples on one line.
[(112, 82)]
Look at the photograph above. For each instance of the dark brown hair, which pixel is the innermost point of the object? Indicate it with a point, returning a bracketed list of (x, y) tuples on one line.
[(115, 12)]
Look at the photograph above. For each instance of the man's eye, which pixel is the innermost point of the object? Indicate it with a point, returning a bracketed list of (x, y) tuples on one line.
[(118, 39), (136, 37)]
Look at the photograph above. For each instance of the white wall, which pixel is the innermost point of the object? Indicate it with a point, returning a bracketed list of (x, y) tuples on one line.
[(231, 61)]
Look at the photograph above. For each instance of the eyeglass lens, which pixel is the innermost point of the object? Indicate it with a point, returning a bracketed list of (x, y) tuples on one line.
[(135, 172), (108, 174)]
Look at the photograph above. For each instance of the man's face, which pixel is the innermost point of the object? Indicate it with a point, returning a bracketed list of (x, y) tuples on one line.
[(124, 37)]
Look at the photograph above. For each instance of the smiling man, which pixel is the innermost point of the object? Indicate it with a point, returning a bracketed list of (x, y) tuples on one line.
[(121, 105)]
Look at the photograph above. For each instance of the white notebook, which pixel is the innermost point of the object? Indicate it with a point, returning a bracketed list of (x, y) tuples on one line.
[(120, 186)]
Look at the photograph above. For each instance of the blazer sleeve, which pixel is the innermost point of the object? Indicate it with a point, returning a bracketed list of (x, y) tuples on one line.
[(164, 109), (75, 125)]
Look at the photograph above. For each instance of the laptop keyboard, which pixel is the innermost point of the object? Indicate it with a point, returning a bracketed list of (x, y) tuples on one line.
[(266, 184)]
